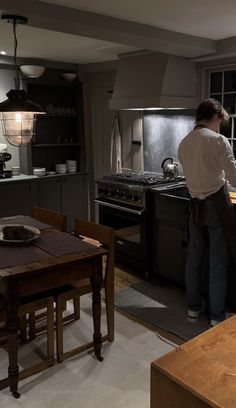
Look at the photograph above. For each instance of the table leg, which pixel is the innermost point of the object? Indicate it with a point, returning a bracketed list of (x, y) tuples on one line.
[(96, 280), (12, 329)]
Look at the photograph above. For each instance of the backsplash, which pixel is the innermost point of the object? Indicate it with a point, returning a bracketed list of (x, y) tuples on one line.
[(162, 133)]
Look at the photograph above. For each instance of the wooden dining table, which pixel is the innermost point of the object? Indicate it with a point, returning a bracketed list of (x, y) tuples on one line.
[(53, 260)]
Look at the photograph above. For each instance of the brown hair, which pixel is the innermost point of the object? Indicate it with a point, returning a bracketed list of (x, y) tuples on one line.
[(208, 108)]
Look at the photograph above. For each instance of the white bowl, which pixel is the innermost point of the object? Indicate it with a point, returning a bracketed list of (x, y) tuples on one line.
[(71, 162), (69, 76), (32, 71)]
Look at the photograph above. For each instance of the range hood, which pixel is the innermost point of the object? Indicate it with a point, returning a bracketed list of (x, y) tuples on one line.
[(154, 81)]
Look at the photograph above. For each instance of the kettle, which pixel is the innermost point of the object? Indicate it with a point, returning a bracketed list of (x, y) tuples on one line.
[(170, 168)]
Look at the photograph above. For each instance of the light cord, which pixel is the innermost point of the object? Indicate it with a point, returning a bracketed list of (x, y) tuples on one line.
[(15, 54)]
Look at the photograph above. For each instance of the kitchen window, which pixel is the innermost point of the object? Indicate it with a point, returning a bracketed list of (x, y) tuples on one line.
[(222, 86)]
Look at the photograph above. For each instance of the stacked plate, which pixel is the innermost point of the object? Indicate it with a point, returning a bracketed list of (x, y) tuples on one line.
[(39, 171), (61, 168), (71, 166)]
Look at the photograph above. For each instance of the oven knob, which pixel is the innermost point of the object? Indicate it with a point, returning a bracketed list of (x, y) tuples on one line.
[(136, 198), (129, 196)]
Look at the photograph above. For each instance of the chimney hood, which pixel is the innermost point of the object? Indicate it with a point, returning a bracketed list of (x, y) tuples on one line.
[(154, 81)]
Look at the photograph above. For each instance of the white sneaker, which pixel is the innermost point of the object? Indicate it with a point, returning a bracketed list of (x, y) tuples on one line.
[(214, 322), (193, 315)]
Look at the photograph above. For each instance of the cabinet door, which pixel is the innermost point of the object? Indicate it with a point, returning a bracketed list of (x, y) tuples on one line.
[(15, 199), (49, 193), (169, 259), (74, 194)]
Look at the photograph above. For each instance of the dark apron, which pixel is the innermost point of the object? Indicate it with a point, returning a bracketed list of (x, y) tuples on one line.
[(225, 210)]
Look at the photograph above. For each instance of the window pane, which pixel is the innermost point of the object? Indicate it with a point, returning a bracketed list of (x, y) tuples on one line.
[(225, 128), (216, 82), (218, 97), (229, 81), (229, 103)]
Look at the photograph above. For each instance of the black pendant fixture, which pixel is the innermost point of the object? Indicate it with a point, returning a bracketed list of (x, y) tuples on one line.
[(18, 112)]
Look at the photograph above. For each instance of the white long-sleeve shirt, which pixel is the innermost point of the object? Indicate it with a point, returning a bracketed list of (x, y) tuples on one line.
[(208, 160)]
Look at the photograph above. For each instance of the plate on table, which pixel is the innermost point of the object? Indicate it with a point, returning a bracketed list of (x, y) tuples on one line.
[(18, 234)]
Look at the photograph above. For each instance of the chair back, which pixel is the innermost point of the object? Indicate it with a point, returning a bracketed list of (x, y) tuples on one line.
[(54, 218), (105, 236)]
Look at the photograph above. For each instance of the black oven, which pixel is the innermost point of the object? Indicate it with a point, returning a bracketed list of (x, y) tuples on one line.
[(130, 224), (124, 202)]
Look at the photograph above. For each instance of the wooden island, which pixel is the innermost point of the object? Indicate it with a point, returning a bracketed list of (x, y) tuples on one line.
[(200, 373)]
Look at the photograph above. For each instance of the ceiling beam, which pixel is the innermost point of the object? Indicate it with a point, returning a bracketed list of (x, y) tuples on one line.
[(73, 21)]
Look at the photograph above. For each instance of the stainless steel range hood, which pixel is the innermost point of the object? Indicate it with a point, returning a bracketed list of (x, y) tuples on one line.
[(154, 81)]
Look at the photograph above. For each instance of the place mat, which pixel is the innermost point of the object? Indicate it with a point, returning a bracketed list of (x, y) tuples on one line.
[(19, 255), (25, 220), (58, 243)]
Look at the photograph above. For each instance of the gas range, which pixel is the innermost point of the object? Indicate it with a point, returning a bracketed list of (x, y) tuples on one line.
[(130, 188)]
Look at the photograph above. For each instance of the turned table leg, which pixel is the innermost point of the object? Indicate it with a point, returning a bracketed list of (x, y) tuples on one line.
[(96, 280), (13, 324)]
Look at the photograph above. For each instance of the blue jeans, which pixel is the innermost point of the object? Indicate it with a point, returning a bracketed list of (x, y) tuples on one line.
[(218, 265)]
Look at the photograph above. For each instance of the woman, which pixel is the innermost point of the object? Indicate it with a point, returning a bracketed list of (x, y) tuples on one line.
[(208, 161)]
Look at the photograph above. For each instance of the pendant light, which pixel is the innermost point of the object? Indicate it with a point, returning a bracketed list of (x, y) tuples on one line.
[(18, 112)]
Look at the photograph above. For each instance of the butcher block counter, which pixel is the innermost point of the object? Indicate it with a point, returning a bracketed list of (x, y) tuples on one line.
[(200, 373), (233, 196)]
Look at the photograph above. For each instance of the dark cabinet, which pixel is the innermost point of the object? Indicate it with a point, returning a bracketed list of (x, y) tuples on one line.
[(170, 237), (74, 198), (15, 198), (170, 255), (48, 193), (67, 194)]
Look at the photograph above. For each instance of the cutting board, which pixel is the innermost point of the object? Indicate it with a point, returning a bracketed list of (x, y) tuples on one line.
[(233, 196)]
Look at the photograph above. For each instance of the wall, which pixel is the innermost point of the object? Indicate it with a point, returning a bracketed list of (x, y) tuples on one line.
[(162, 133), (98, 87), (7, 82)]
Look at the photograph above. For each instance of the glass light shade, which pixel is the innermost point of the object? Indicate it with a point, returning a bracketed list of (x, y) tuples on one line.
[(18, 127), (18, 117)]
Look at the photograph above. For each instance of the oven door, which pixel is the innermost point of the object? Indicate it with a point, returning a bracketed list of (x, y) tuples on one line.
[(130, 233)]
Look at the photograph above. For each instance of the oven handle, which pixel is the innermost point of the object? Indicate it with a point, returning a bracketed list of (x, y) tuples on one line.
[(118, 207)]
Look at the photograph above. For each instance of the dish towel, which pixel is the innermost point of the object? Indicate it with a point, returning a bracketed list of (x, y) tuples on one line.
[(116, 165)]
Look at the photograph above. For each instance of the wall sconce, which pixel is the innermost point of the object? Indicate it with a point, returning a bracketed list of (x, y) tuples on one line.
[(18, 112)]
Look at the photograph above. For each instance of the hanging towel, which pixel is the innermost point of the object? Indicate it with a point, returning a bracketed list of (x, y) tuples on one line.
[(116, 165)]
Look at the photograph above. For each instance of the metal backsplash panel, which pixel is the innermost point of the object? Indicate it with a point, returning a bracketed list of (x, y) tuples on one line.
[(162, 134)]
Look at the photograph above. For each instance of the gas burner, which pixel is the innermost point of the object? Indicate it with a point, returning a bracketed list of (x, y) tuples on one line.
[(141, 179)]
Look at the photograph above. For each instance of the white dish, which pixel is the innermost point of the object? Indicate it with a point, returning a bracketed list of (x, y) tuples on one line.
[(35, 233), (32, 71), (71, 162), (69, 76)]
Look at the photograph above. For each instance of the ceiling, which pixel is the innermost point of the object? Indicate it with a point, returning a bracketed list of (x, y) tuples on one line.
[(87, 31)]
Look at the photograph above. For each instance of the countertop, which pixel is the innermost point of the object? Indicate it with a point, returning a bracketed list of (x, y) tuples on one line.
[(25, 177)]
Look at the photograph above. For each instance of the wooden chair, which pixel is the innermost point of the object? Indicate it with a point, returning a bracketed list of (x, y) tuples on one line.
[(56, 219), (59, 221), (105, 237), (29, 305)]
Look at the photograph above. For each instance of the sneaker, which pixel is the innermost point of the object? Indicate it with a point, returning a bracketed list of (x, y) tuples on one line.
[(193, 315), (214, 323)]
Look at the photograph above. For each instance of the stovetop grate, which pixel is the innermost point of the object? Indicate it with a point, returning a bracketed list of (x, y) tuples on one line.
[(144, 179)]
